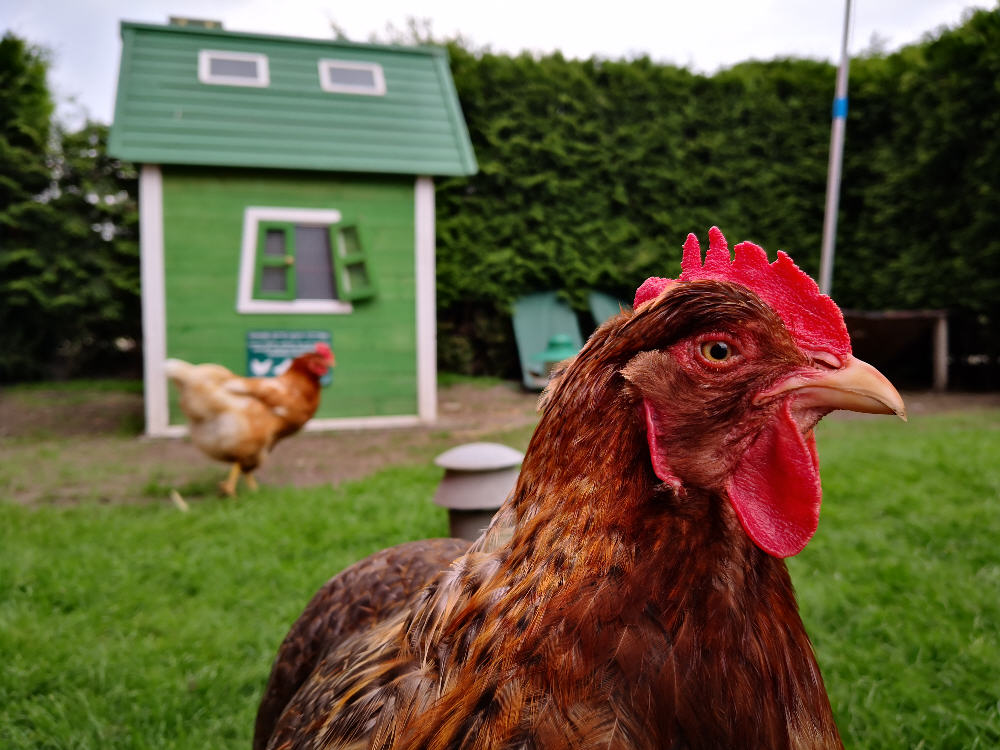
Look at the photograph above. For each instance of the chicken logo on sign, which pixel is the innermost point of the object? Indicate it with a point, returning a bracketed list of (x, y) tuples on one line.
[(260, 367)]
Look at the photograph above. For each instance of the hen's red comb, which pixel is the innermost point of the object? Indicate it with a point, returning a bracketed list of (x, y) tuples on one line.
[(324, 349), (812, 318)]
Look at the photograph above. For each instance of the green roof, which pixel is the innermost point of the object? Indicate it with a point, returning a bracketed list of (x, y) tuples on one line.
[(165, 115)]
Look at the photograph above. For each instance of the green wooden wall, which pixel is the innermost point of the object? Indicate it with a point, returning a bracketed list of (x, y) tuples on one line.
[(375, 346)]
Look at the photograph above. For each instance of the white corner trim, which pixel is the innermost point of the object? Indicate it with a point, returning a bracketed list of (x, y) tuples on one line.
[(205, 74), (378, 77), (154, 310), (245, 303), (426, 299)]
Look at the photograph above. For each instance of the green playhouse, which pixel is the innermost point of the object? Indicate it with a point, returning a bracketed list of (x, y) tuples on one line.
[(286, 196)]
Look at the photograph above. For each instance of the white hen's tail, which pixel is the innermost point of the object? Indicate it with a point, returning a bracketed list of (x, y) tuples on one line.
[(178, 370), (184, 373), (206, 390)]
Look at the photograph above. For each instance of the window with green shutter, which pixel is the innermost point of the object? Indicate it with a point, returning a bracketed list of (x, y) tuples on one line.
[(303, 260)]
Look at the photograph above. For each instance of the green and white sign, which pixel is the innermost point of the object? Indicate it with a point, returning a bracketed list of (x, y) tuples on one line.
[(269, 353)]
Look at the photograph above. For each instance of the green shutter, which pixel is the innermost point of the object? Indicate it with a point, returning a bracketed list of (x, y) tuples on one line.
[(350, 259), (275, 263)]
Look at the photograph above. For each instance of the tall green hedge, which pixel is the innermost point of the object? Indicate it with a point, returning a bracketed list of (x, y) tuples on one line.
[(593, 172)]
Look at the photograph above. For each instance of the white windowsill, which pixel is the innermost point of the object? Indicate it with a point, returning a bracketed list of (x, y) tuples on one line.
[(296, 306)]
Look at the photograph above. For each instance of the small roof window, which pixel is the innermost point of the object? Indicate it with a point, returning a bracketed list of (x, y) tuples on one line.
[(350, 77), (233, 68)]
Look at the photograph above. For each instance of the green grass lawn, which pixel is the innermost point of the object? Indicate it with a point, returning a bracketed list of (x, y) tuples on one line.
[(143, 627), (900, 589), (138, 626)]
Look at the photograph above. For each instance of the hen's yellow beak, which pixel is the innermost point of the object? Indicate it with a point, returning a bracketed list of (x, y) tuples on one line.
[(855, 386)]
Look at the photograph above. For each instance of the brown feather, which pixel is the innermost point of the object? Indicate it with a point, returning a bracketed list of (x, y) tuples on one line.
[(364, 594)]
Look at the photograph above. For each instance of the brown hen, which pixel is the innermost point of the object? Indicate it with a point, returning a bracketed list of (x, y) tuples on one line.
[(238, 420), (631, 593)]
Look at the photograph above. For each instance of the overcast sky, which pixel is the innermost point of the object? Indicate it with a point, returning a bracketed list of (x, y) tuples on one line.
[(704, 35)]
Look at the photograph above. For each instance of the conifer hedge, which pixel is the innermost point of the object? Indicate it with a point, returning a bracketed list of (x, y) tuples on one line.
[(593, 172)]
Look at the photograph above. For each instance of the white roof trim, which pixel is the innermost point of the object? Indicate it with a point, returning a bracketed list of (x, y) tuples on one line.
[(245, 303), (205, 74), (344, 88)]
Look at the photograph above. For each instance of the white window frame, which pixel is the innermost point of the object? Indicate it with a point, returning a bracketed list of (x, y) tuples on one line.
[(205, 74), (245, 302), (340, 88)]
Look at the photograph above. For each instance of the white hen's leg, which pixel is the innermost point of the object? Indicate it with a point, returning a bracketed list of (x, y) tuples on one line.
[(228, 487)]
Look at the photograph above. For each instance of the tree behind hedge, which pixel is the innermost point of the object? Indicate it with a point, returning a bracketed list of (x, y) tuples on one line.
[(97, 252), (69, 269)]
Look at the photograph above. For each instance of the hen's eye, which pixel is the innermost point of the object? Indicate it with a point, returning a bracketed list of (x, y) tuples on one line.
[(717, 351)]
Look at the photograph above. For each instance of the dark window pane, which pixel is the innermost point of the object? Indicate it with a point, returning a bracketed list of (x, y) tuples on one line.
[(356, 77), (233, 68), (274, 242), (313, 264), (273, 280)]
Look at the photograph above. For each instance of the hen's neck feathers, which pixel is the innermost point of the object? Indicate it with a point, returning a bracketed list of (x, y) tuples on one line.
[(601, 608), (303, 381), (656, 607), (300, 371)]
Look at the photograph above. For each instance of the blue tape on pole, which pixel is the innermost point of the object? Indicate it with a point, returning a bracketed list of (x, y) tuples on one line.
[(840, 107)]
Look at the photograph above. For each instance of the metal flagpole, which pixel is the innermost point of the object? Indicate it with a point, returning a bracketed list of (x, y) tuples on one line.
[(836, 157)]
